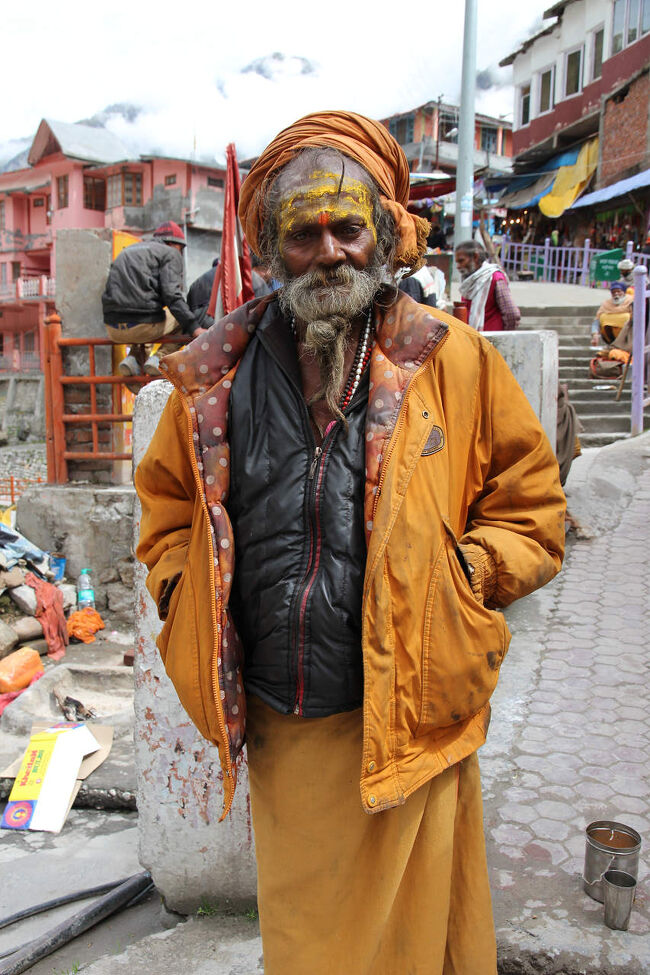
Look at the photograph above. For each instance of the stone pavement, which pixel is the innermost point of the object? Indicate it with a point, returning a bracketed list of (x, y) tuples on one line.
[(569, 744)]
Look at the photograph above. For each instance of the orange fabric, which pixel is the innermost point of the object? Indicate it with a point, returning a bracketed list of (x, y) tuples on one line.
[(49, 613), (366, 141), (420, 869), (19, 669), (84, 623)]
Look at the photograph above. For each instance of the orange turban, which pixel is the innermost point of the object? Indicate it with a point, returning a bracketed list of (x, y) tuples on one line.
[(370, 144)]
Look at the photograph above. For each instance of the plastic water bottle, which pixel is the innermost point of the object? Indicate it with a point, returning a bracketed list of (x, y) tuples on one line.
[(85, 591)]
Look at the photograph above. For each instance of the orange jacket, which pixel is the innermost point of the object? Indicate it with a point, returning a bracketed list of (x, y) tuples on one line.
[(457, 465)]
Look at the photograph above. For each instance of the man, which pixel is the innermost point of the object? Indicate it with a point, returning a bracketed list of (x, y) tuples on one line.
[(143, 299), (626, 269), (613, 316), (421, 286), (484, 290), (340, 492), (200, 292)]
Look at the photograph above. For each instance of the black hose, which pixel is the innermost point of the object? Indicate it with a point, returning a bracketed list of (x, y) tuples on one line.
[(60, 901), (41, 947)]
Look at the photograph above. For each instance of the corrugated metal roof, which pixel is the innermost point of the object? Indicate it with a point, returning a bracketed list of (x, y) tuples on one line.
[(621, 188)]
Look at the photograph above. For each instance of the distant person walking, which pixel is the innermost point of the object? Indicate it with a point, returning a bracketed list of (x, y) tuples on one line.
[(143, 299), (485, 290)]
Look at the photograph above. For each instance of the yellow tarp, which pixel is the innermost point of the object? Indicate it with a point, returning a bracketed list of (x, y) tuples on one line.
[(570, 181)]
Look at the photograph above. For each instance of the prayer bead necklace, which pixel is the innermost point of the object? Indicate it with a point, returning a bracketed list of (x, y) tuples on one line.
[(359, 363)]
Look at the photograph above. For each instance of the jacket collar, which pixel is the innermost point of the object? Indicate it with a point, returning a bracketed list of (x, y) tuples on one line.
[(406, 333)]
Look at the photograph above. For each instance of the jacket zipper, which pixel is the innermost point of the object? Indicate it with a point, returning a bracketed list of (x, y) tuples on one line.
[(316, 469), (215, 601)]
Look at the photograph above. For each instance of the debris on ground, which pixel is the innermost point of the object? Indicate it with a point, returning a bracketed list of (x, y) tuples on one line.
[(18, 669)]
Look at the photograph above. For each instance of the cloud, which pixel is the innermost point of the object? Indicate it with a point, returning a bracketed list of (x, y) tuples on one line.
[(202, 75)]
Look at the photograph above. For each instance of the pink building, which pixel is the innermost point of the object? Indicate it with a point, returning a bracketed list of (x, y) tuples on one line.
[(82, 177)]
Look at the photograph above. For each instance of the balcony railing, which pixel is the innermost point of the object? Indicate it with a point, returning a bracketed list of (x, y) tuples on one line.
[(22, 289)]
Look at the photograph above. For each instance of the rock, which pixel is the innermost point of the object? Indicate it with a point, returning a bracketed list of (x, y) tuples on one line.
[(128, 658), (69, 592), (8, 639), (14, 577), (126, 569), (27, 628), (40, 646), (24, 598), (120, 601), (110, 574)]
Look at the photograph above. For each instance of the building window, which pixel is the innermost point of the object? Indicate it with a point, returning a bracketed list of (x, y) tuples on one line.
[(215, 181), (546, 91), (403, 129), (94, 193), (633, 11), (62, 192), (124, 189), (488, 138), (524, 105), (29, 342), (3, 274), (597, 54), (2, 214), (132, 189), (645, 16), (15, 270), (573, 79), (39, 201), (170, 180)]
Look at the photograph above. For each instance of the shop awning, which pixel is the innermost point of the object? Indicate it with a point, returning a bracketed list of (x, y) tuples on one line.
[(570, 181), (621, 188), (527, 190), (528, 196)]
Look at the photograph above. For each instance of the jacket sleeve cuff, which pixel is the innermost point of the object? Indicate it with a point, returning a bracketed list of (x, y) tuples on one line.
[(483, 572)]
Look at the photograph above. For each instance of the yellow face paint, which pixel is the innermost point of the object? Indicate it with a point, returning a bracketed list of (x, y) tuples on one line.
[(324, 200)]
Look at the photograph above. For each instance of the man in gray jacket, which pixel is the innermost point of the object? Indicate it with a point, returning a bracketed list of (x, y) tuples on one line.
[(143, 299)]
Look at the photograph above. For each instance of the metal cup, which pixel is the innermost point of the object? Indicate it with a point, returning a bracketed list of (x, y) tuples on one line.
[(619, 889)]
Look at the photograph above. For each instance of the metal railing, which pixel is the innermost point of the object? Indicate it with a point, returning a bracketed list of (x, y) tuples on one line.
[(12, 487), (640, 350), (566, 265), (56, 418)]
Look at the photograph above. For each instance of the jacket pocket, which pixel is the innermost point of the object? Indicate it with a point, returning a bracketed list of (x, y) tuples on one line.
[(179, 649), (463, 644)]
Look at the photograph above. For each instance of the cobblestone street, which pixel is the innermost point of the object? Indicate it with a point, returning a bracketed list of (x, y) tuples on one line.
[(570, 744)]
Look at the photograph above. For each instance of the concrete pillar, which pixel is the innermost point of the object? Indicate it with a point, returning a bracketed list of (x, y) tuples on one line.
[(533, 359), (193, 858)]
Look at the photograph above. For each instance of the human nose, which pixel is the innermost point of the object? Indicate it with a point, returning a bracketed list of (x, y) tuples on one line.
[(329, 250)]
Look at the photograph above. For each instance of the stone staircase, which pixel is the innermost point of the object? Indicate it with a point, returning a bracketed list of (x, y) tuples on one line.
[(603, 419)]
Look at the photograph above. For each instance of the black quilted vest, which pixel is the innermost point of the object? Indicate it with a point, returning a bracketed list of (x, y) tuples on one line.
[(300, 550)]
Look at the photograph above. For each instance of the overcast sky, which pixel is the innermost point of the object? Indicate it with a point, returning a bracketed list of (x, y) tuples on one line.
[(181, 62)]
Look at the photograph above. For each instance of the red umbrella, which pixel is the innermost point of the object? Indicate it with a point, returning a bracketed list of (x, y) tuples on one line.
[(233, 282)]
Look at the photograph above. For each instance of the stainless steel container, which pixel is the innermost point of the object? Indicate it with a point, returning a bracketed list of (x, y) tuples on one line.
[(619, 889), (610, 846)]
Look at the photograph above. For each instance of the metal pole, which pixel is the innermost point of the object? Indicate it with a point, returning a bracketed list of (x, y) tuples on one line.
[(638, 349), (465, 169)]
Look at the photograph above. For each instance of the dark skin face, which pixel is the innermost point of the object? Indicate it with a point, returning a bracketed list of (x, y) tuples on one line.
[(323, 224)]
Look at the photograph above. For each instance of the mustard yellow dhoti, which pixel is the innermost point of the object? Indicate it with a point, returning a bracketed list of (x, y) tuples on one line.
[(401, 892)]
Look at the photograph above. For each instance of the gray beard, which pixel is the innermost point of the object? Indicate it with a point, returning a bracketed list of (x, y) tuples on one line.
[(327, 302)]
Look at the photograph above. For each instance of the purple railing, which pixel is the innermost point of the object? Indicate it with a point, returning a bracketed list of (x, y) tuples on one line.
[(566, 265), (640, 348)]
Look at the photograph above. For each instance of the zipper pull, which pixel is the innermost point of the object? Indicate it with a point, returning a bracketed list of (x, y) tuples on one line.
[(314, 463)]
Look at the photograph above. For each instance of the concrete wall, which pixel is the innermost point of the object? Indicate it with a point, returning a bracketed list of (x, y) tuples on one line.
[(92, 527), (534, 361), (192, 857), (22, 410)]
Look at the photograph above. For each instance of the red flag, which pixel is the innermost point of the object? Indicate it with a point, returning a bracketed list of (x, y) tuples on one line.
[(233, 282)]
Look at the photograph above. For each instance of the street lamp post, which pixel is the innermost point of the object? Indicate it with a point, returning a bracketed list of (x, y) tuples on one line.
[(465, 168)]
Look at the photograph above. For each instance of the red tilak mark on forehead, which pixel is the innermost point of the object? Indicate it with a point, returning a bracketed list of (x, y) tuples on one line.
[(323, 219)]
